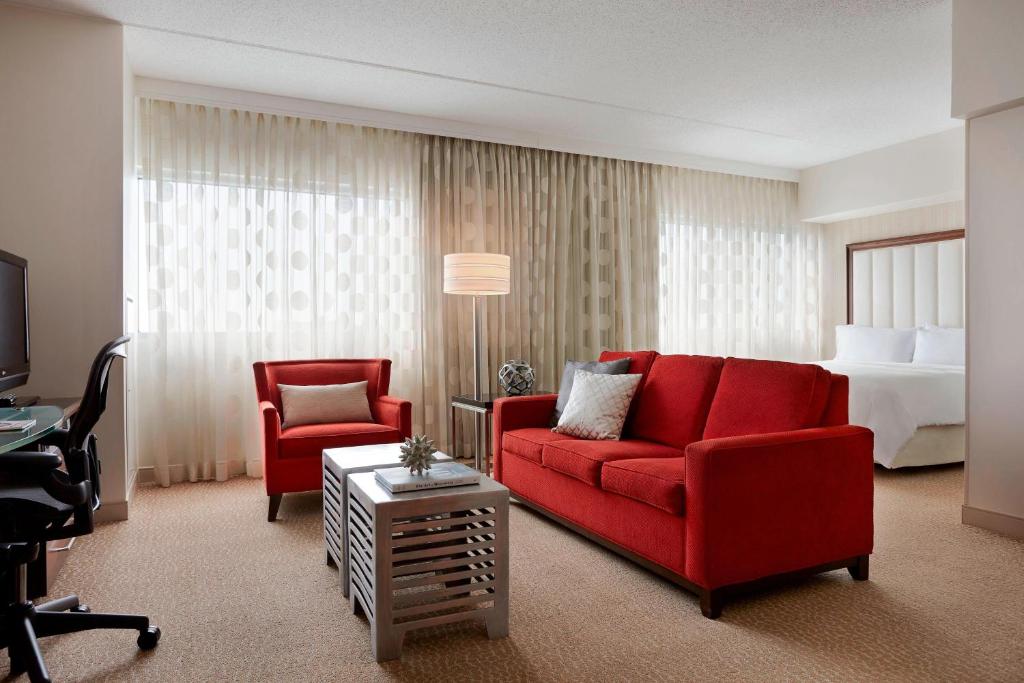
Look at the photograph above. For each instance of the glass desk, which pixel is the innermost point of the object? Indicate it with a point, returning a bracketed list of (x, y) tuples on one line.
[(47, 419)]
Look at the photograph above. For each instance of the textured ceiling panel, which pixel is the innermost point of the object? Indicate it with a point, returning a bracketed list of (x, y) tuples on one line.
[(789, 83)]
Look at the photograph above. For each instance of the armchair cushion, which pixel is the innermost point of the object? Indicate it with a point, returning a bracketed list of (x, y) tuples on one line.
[(324, 403), (309, 441), (583, 459)]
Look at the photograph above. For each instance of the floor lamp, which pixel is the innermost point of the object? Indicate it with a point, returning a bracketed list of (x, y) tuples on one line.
[(477, 275)]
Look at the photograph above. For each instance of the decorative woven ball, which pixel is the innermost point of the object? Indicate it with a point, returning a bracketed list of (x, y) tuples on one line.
[(516, 377)]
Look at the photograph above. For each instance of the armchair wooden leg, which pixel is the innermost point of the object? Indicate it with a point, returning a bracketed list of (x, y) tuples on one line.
[(711, 603), (859, 570), (275, 505)]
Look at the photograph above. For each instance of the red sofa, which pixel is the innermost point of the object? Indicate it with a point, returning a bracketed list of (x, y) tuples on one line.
[(293, 457), (731, 473)]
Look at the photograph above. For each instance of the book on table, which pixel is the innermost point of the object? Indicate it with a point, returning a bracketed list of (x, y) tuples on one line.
[(441, 475), (16, 425)]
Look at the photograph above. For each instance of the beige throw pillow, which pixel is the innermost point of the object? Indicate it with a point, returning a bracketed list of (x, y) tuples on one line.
[(597, 405), (325, 403)]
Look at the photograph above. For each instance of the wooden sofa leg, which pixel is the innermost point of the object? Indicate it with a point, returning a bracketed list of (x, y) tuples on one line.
[(275, 505), (711, 603), (859, 570)]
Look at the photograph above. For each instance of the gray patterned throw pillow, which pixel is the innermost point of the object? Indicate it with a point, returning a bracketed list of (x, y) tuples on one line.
[(612, 367)]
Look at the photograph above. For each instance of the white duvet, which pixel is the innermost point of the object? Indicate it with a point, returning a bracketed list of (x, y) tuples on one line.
[(894, 399)]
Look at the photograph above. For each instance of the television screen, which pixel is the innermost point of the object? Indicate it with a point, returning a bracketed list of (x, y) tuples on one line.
[(13, 315)]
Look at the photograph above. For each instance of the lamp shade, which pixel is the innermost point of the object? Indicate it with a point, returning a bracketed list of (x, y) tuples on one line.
[(477, 274)]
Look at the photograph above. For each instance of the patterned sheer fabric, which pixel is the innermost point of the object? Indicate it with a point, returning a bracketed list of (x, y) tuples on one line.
[(740, 274), (582, 234), (266, 237)]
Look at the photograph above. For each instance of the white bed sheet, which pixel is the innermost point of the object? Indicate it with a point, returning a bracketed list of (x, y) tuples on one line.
[(894, 399)]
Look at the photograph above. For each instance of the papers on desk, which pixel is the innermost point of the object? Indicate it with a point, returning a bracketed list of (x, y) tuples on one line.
[(16, 425)]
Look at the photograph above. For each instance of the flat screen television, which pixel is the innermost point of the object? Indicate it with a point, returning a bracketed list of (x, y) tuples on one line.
[(14, 356)]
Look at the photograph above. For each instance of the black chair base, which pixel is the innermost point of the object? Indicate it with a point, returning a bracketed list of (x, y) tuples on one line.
[(24, 623)]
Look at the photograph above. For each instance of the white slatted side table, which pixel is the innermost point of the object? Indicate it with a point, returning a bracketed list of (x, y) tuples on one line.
[(338, 464), (426, 558)]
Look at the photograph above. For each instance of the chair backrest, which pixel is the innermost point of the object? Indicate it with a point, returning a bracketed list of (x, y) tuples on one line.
[(79, 448), (375, 371)]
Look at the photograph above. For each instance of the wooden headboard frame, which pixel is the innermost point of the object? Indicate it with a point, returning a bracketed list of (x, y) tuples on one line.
[(890, 242)]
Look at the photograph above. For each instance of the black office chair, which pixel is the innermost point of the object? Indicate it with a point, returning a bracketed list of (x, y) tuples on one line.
[(40, 503)]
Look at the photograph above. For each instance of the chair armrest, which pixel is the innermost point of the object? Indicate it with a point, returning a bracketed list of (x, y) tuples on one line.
[(395, 412), (29, 462), (270, 428), (771, 503), (517, 412)]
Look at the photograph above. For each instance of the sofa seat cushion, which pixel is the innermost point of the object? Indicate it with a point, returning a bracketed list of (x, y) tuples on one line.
[(307, 441), (761, 397), (656, 481), (583, 459), (530, 441), (676, 398)]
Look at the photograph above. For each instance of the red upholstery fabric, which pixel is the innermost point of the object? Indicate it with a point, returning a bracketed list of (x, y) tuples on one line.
[(837, 410), (643, 529), (760, 397), (640, 365), (309, 441), (676, 398), (583, 459), (530, 441), (772, 503), (517, 412), (292, 459), (655, 481)]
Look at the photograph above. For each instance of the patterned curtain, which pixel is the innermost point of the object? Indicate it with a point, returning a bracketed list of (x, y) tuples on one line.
[(582, 233), (740, 274), (264, 237)]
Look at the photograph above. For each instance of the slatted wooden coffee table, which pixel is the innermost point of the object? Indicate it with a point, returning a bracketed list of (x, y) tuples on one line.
[(426, 558), (338, 464)]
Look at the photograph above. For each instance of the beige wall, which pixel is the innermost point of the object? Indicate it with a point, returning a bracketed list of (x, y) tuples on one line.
[(61, 169), (837, 235), (921, 172), (988, 90)]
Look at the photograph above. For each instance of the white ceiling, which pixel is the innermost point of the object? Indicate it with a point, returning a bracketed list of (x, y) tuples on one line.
[(782, 83)]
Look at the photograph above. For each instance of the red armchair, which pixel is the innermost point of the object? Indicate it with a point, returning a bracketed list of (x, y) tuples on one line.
[(293, 457), (730, 473)]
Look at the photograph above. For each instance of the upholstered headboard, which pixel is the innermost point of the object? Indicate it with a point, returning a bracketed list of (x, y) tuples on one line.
[(906, 281)]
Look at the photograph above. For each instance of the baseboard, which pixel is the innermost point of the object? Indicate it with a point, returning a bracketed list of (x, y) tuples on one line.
[(179, 473), (112, 512), (1008, 525)]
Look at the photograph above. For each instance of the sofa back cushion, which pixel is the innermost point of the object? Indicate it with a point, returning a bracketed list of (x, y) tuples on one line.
[(759, 397), (640, 364), (676, 398)]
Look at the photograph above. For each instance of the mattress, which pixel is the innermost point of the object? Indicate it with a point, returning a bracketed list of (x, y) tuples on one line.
[(895, 400)]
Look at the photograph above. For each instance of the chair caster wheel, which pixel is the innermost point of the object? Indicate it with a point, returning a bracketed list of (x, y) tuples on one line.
[(80, 609), (149, 638)]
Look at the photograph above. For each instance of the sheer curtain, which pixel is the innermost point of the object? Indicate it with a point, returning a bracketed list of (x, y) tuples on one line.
[(264, 237), (740, 274), (582, 233)]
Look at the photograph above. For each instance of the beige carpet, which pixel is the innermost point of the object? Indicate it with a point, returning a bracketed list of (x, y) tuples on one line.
[(243, 600)]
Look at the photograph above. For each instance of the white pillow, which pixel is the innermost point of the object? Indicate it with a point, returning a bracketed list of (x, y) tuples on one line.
[(940, 346), (324, 403), (875, 344), (597, 405)]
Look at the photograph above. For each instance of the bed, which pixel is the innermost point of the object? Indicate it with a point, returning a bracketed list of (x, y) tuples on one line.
[(903, 293)]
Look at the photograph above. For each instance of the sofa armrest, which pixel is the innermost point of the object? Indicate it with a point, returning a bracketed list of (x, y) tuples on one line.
[(772, 503), (395, 412), (517, 412)]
